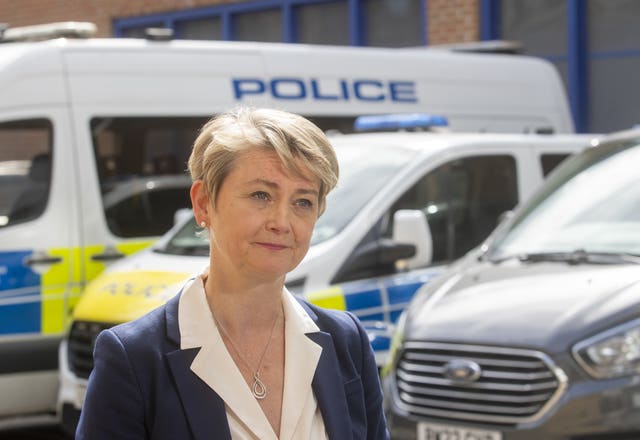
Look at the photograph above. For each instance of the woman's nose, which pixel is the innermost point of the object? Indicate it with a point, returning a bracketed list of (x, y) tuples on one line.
[(279, 218)]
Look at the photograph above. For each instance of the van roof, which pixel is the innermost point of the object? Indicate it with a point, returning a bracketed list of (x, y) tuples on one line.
[(202, 77), (183, 44), (429, 143)]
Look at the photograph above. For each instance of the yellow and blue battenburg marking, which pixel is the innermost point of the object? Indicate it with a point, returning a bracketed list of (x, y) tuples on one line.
[(123, 296), (33, 301), (20, 310), (377, 302)]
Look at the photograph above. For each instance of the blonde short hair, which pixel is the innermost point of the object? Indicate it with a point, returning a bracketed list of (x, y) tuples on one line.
[(293, 138)]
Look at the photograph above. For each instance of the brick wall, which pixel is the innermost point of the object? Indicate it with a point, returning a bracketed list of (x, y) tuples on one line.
[(453, 21)]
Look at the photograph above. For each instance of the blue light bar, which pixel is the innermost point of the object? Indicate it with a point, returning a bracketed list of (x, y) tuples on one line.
[(398, 121)]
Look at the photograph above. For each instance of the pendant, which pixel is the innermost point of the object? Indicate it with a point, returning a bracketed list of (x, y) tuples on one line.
[(258, 389)]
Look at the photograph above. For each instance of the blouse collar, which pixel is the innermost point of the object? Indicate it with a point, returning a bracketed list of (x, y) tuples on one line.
[(215, 366)]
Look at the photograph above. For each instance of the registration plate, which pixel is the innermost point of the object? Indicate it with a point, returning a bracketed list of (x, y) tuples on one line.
[(431, 431)]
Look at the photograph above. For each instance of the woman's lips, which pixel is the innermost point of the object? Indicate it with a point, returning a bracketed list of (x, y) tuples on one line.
[(272, 246)]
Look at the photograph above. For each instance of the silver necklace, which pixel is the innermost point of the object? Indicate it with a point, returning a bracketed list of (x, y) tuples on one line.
[(258, 388)]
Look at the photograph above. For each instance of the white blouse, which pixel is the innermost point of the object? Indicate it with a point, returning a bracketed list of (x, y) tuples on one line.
[(301, 417)]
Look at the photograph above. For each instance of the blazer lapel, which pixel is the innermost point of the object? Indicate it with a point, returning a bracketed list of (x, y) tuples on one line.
[(329, 389), (203, 408)]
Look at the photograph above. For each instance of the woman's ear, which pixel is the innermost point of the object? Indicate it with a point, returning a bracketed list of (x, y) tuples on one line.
[(200, 202)]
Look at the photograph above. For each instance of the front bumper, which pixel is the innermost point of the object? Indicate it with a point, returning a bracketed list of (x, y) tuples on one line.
[(588, 410)]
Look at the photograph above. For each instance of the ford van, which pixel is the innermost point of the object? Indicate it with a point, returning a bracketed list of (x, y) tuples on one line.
[(536, 333)]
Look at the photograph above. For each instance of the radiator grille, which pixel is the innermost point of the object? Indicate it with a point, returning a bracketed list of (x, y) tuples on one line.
[(511, 385), (81, 341)]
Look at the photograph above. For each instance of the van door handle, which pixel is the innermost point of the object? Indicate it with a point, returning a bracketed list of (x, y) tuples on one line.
[(41, 258), (109, 254)]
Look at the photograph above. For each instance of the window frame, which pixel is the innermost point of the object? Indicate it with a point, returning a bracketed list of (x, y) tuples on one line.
[(227, 13)]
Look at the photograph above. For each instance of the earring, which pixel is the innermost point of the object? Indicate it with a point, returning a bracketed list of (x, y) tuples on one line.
[(203, 224)]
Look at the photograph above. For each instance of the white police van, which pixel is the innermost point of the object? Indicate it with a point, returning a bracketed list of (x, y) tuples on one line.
[(373, 230), (95, 133)]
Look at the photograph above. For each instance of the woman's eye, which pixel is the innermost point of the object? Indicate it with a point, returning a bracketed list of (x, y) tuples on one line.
[(304, 203), (260, 195)]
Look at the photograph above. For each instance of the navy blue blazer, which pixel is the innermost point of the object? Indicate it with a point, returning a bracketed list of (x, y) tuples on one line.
[(142, 387)]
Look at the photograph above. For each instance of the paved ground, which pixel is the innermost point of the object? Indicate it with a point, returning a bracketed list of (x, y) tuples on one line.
[(34, 434)]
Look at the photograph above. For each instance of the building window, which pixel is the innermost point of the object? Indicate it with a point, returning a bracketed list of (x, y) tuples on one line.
[(200, 29), (613, 94), (394, 23), (385, 23), (259, 26), (322, 23), (613, 25), (614, 62), (540, 26)]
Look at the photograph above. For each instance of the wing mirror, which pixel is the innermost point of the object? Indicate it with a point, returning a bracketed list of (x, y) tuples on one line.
[(410, 226)]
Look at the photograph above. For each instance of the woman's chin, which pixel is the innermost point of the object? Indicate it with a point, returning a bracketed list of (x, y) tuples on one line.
[(271, 273)]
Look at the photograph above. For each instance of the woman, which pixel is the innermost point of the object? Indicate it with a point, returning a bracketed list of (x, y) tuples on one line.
[(234, 354)]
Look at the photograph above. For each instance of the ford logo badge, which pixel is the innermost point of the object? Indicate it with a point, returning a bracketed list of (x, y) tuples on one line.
[(462, 371)]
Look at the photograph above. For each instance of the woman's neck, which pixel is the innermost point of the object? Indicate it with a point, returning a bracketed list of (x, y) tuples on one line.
[(241, 304)]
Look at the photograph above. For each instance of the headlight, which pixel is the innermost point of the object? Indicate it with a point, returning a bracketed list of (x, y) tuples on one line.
[(613, 353)]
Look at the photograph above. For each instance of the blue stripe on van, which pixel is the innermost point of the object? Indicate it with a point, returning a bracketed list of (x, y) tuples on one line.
[(362, 299), (393, 316), (20, 309), (380, 342), (370, 316), (402, 293)]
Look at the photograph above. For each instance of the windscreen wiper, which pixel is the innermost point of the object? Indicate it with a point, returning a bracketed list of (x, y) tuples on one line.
[(578, 256)]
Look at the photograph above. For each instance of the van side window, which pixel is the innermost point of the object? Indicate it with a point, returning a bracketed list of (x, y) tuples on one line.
[(462, 201), (142, 167), (25, 169), (550, 161)]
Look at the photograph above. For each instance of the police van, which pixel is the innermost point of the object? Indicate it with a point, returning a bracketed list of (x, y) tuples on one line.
[(407, 203), (95, 133)]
